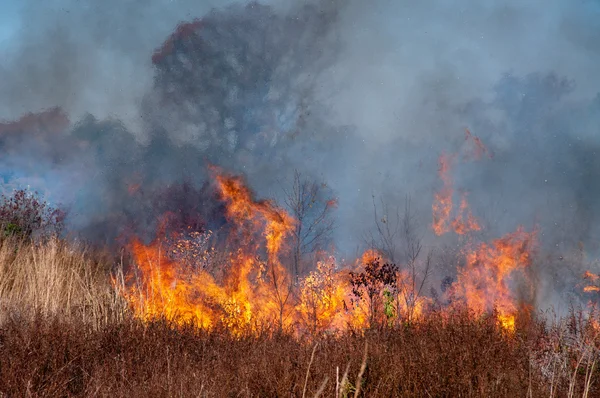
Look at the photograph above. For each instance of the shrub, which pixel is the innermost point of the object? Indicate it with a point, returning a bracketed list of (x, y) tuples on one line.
[(23, 214)]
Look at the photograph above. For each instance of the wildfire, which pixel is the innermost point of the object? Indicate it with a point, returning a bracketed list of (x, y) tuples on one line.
[(255, 291), (167, 290), (480, 149), (593, 278), (484, 282), (465, 222), (251, 289), (442, 204), (251, 294)]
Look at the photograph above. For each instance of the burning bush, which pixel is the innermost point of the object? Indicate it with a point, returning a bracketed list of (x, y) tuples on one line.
[(374, 285)]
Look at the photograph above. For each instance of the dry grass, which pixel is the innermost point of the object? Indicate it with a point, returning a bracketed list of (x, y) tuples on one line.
[(56, 279), (437, 358), (65, 332)]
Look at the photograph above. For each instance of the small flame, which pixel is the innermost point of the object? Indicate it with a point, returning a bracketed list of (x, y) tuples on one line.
[(465, 222), (593, 278), (589, 289), (480, 149), (369, 256), (442, 204)]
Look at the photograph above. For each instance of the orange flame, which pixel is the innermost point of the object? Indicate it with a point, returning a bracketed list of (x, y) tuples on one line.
[(253, 293), (166, 289), (442, 204), (242, 208), (465, 222), (323, 294), (368, 256), (593, 278), (480, 149), (484, 281)]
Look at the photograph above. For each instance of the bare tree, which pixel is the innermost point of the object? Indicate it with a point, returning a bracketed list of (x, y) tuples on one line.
[(396, 236), (310, 203), (282, 291), (385, 237)]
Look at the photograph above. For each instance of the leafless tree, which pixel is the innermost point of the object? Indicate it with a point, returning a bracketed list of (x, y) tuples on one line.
[(282, 291), (396, 236), (384, 238), (311, 204)]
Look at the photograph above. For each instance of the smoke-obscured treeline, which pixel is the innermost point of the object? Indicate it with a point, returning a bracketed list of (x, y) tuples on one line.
[(117, 118)]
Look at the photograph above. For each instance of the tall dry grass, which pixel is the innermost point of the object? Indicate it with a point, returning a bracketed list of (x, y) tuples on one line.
[(49, 290), (65, 281), (440, 357)]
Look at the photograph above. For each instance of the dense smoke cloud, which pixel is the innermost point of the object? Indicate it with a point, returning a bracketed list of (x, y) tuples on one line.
[(365, 96)]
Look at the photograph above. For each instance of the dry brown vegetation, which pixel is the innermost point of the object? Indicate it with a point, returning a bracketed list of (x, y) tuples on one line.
[(58, 280), (434, 358), (66, 332)]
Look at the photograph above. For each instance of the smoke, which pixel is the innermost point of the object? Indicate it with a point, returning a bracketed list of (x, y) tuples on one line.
[(363, 95)]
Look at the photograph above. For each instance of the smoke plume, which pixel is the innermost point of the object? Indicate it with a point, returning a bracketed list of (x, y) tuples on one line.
[(117, 108)]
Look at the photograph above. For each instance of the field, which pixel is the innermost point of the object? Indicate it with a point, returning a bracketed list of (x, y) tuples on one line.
[(68, 331), (316, 198)]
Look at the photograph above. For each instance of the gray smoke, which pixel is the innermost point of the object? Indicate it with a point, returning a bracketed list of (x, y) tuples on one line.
[(364, 95)]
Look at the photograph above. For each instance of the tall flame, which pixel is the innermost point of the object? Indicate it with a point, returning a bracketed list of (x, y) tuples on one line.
[(442, 204), (259, 217), (484, 281), (253, 289), (464, 222), (253, 293)]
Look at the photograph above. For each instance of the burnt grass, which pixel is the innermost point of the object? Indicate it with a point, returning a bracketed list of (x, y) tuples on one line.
[(456, 356)]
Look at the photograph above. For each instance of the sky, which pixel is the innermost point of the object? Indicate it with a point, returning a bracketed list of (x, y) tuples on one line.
[(9, 22)]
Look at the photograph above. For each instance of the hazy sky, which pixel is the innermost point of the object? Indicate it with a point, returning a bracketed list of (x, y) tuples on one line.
[(396, 52), (9, 21)]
